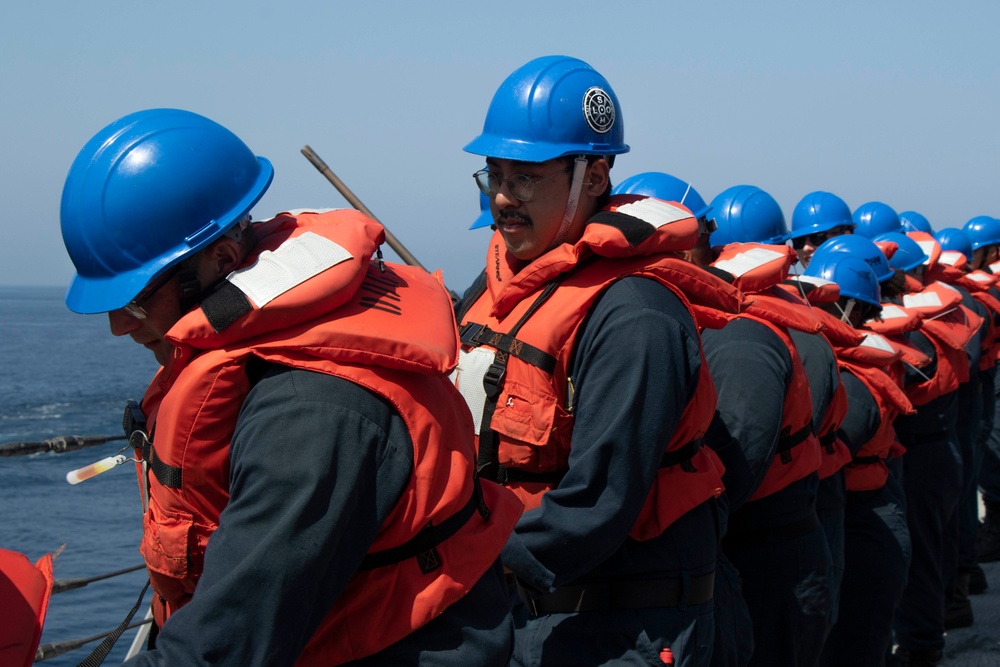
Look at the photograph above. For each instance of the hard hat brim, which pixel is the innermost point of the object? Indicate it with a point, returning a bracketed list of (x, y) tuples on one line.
[(101, 294)]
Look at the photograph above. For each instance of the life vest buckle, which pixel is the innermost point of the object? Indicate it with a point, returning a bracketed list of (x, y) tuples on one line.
[(471, 333), (494, 376)]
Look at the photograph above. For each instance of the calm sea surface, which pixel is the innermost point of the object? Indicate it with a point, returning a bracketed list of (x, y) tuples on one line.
[(65, 374)]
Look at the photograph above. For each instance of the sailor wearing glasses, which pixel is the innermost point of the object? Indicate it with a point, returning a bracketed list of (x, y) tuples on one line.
[(308, 472), (582, 366)]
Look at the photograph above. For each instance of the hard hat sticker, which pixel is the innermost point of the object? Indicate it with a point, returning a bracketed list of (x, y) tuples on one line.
[(599, 110)]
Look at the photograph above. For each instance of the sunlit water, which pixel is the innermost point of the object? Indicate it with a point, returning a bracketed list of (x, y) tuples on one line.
[(64, 374)]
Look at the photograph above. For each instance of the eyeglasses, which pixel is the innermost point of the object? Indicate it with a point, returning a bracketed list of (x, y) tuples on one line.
[(816, 239), (521, 186), (134, 307)]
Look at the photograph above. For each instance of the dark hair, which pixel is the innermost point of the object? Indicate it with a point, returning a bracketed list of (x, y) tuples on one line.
[(895, 286)]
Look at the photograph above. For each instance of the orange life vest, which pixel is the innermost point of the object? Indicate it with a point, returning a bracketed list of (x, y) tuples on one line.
[(892, 324), (757, 270), (949, 326), (25, 591), (812, 289), (978, 284), (835, 452), (869, 362), (389, 331), (519, 333)]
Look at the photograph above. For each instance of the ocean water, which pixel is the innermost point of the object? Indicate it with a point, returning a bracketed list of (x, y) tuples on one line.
[(65, 374)]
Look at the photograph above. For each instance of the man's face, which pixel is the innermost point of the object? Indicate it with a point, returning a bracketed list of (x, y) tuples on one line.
[(529, 228), (992, 252), (701, 254), (162, 307), (806, 245), (160, 301)]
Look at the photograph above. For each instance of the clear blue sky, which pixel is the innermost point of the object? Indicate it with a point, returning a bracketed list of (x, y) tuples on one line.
[(894, 101)]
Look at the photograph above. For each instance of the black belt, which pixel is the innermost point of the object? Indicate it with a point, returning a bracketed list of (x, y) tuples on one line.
[(617, 595)]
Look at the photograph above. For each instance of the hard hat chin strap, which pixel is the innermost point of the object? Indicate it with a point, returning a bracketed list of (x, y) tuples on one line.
[(573, 202), (845, 313)]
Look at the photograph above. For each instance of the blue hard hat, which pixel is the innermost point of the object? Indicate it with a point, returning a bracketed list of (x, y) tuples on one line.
[(485, 218), (911, 221), (147, 191), (953, 238), (982, 231), (665, 187), (853, 275), (744, 214), (819, 212), (859, 246), (552, 107), (908, 255), (874, 218)]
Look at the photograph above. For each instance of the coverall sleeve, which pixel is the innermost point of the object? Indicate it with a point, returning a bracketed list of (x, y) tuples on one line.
[(821, 370), (635, 367), (314, 473), (862, 419), (751, 369)]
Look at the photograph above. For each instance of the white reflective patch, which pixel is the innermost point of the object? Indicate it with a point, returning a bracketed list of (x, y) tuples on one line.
[(294, 262), (950, 257), (748, 261), (654, 211), (928, 248), (814, 280), (468, 378), (876, 341), (995, 267), (891, 312), (922, 300), (980, 277)]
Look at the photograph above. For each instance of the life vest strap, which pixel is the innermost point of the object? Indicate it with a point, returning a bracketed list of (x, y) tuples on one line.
[(488, 462), (827, 440), (682, 455), (787, 441), (423, 545), (134, 425), (474, 335)]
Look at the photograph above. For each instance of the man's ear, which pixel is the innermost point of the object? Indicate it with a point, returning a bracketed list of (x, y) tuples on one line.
[(600, 175), (219, 259)]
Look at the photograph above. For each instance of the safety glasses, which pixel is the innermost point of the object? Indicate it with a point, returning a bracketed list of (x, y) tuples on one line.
[(816, 239), (521, 186), (134, 307)]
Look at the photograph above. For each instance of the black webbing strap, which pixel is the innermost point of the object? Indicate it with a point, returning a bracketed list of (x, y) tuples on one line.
[(864, 460), (168, 475), (826, 441), (488, 462), (682, 455), (787, 441), (225, 304), (134, 425), (98, 655), (471, 296), (474, 335), (423, 545)]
